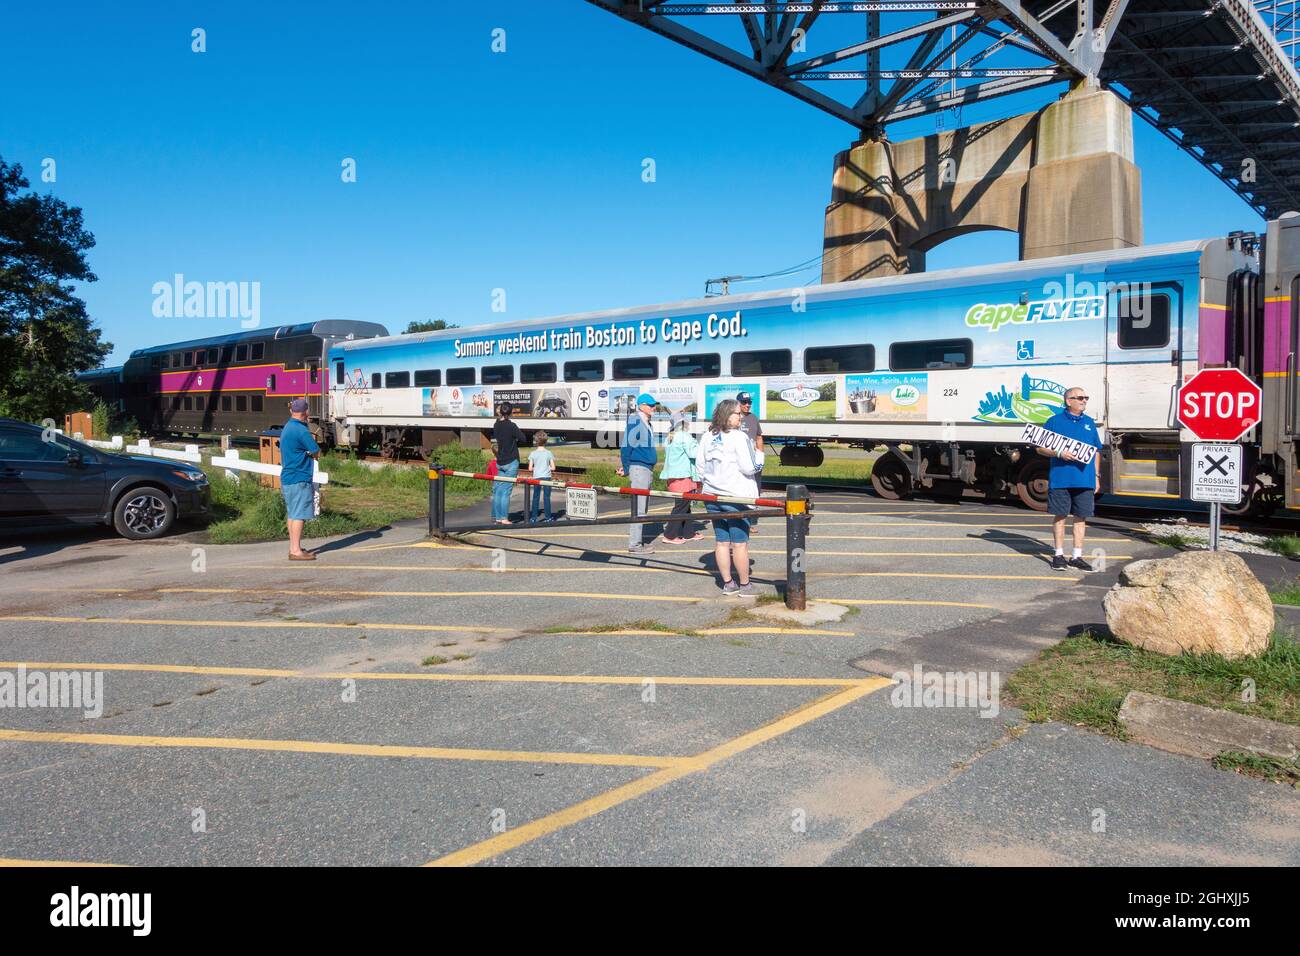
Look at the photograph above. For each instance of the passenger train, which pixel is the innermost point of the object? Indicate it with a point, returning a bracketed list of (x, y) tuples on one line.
[(942, 369)]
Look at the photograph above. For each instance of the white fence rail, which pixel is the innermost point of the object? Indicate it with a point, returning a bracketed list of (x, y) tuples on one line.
[(231, 462)]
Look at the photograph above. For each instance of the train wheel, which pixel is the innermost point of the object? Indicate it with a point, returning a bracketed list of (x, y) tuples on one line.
[(1031, 485), (890, 478)]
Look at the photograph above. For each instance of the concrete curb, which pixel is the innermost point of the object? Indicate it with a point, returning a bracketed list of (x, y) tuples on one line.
[(1197, 731)]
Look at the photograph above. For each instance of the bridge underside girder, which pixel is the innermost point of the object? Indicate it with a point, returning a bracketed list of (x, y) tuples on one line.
[(1209, 74)]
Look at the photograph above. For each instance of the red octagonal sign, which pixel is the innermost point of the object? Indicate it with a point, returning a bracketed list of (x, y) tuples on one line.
[(1219, 404)]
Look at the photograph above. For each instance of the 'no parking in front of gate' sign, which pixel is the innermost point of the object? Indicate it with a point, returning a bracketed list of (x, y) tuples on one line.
[(1216, 473)]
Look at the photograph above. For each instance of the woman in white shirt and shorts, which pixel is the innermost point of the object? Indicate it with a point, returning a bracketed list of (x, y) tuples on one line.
[(727, 463)]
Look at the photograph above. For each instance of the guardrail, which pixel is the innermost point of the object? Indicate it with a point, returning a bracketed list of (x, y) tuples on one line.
[(233, 464), (231, 461), (795, 507)]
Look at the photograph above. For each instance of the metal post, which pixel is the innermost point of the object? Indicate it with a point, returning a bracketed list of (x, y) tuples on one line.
[(1215, 517), (796, 535), (437, 501)]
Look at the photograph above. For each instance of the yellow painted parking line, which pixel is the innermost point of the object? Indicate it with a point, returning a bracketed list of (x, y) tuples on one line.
[(11, 861), (835, 600), (487, 569), (815, 535), (44, 619), (518, 836), (839, 554), (634, 632), (936, 574), (330, 747), (638, 679), (329, 592)]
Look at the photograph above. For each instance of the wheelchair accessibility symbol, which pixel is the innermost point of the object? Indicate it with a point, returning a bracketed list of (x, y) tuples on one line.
[(1024, 350)]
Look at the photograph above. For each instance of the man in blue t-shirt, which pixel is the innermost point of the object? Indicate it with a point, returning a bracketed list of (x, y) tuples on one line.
[(1071, 484), (298, 451)]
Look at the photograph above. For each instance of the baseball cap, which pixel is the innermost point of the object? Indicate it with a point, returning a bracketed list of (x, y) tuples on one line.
[(645, 398), (744, 397), (298, 405), (678, 418)]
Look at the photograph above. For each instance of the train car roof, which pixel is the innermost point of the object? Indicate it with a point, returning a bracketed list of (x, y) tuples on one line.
[(96, 372), (322, 327), (941, 279)]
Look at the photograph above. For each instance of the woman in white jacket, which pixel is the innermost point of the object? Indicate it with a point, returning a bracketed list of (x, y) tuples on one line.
[(727, 463)]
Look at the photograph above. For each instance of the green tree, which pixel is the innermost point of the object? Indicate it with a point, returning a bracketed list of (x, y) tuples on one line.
[(437, 325), (46, 335)]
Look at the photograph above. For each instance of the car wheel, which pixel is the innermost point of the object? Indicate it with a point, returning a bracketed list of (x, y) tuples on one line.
[(144, 513)]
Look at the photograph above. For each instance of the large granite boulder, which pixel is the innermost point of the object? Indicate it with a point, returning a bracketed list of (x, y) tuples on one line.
[(1199, 602)]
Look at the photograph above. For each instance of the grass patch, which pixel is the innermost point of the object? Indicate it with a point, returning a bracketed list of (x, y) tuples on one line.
[(1288, 594), (1084, 679), (357, 498), (1286, 545), (1172, 539), (461, 657), (432, 660), (1248, 764), (642, 625)]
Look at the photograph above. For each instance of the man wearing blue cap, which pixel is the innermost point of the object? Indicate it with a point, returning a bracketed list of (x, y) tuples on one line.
[(639, 460), (298, 451)]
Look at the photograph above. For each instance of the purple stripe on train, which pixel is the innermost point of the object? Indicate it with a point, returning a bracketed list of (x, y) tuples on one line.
[(287, 382)]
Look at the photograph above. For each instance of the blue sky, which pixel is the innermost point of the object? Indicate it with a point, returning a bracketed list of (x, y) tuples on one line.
[(475, 170)]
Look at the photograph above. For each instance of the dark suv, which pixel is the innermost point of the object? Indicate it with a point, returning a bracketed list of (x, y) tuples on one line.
[(48, 479)]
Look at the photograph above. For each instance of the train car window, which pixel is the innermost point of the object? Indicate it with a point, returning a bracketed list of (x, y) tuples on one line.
[(198, 403), (259, 349), (341, 377), (189, 359), (241, 353), (376, 380), (424, 377), (162, 403), (241, 403), (539, 373), (176, 402), (839, 358), (257, 403), (934, 354), (187, 404), (176, 360), (707, 365), (166, 361), (1142, 321), (225, 403), (769, 362), (460, 376), (315, 375), (155, 362), (635, 369), (397, 380), (592, 370), (498, 375), (227, 353)]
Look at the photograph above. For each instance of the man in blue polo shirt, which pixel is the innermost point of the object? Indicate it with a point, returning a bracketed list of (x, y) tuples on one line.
[(1072, 485), (638, 461), (298, 451)]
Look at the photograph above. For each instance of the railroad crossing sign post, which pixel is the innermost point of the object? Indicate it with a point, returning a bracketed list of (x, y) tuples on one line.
[(1218, 405), (1216, 478)]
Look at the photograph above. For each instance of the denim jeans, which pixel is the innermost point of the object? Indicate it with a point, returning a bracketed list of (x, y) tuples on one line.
[(540, 494), (640, 477), (501, 490)]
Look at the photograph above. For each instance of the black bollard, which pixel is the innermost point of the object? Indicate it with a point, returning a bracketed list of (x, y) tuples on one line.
[(437, 501), (796, 535)]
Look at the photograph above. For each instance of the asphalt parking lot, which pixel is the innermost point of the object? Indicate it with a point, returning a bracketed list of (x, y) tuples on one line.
[(581, 705)]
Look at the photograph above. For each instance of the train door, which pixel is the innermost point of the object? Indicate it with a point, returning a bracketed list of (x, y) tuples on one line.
[(1144, 346), (315, 388)]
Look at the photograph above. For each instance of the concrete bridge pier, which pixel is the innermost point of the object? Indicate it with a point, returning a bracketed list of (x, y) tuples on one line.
[(1063, 178)]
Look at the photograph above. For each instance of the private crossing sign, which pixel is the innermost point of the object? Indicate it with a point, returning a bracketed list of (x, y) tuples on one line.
[(1216, 473), (1219, 404)]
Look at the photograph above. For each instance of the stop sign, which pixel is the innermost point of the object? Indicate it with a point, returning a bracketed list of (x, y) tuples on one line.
[(1219, 404)]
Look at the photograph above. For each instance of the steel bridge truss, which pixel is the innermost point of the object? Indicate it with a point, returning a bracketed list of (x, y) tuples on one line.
[(1209, 74)]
